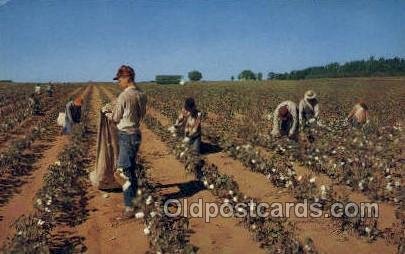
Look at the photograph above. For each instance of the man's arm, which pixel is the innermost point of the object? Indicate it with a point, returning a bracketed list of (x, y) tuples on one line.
[(293, 112), (276, 123), (316, 111), (118, 110), (301, 113), (69, 112)]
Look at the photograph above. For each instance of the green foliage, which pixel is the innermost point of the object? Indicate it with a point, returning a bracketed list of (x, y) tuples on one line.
[(363, 68), (195, 75), (259, 76), (247, 75), (168, 79)]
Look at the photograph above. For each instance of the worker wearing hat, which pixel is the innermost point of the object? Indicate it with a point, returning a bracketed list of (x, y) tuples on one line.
[(308, 109), (128, 113)]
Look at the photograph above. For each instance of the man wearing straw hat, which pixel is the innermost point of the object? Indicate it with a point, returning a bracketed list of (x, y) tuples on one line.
[(128, 113), (308, 109)]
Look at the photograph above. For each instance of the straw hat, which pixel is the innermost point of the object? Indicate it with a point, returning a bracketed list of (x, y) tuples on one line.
[(309, 95)]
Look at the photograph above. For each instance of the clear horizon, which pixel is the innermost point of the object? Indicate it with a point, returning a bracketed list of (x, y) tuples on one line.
[(86, 40)]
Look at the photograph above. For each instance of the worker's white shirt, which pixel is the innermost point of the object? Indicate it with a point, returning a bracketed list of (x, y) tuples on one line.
[(305, 109)]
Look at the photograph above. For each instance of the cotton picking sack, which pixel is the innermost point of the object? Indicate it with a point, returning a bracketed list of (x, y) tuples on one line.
[(61, 119), (107, 153)]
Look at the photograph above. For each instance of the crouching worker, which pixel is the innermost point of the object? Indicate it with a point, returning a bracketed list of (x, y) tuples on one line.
[(308, 109), (359, 115), (190, 120), (128, 113), (34, 104), (73, 113), (285, 122)]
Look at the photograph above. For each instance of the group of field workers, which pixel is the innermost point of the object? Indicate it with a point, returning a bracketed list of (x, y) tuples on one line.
[(129, 109), (288, 119)]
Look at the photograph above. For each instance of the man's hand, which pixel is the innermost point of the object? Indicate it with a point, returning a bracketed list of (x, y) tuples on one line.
[(109, 115), (107, 108)]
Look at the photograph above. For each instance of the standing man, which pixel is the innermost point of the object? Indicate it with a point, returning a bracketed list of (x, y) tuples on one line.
[(128, 113), (285, 120), (308, 109)]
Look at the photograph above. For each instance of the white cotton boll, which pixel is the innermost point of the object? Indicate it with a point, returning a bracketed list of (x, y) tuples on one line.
[(139, 192), (237, 148), (126, 185), (397, 184), (205, 183), (323, 188), (235, 199), (211, 187), (47, 210), (230, 192), (174, 135), (226, 201), (149, 200), (288, 184), (139, 215), (371, 179), (312, 180), (57, 163), (153, 214), (182, 154), (389, 187), (49, 202), (253, 161), (361, 187), (334, 152), (273, 170), (299, 178), (316, 158), (253, 226), (146, 231), (368, 230), (39, 202), (41, 222)]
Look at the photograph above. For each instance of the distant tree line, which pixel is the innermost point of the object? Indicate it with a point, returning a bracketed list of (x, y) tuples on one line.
[(249, 75), (363, 68)]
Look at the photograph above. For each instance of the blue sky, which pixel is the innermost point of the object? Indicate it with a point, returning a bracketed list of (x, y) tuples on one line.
[(80, 40)]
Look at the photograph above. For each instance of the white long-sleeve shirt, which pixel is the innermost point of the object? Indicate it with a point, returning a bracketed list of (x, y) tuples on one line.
[(129, 109), (307, 111), (292, 108)]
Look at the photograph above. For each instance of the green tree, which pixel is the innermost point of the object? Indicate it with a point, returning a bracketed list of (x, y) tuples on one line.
[(259, 76), (232, 78), (195, 75), (247, 75)]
